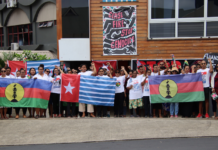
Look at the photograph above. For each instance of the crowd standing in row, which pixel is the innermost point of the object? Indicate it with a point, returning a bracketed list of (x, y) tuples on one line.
[(131, 93)]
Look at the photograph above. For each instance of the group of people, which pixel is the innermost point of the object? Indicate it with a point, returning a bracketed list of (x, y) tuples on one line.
[(131, 92)]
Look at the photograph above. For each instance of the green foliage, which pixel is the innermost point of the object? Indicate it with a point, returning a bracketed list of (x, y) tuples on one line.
[(29, 56), (2, 63), (8, 56)]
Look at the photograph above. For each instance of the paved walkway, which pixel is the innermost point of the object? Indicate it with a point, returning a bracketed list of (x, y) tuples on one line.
[(64, 130)]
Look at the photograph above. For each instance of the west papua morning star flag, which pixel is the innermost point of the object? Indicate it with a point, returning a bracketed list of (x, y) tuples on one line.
[(97, 90), (103, 64), (70, 88), (48, 64), (15, 66), (176, 88), (24, 93)]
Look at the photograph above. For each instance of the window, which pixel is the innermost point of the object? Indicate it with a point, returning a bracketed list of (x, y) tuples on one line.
[(1, 37), (46, 24), (75, 18), (22, 34), (175, 19)]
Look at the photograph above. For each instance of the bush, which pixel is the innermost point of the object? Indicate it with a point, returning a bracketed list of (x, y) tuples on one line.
[(29, 56)]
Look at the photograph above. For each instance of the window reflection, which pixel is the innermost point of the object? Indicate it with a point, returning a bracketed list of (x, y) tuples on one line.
[(191, 8), (75, 18), (212, 8), (163, 9)]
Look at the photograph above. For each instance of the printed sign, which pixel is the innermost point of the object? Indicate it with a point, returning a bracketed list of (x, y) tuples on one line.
[(213, 57), (119, 30)]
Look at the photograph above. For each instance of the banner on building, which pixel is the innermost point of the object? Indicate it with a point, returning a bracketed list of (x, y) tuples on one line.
[(119, 30), (213, 57), (176, 88)]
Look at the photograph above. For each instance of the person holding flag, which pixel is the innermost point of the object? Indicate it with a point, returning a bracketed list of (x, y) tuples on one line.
[(23, 76), (206, 72), (90, 108), (3, 110), (42, 76)]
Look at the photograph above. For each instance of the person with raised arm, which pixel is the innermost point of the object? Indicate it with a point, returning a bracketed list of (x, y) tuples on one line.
[(206, 72), (119, 92), (90, 107), (163, 67)]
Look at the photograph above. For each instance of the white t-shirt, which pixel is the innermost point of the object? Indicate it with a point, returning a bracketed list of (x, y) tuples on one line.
[(136, 91), (22, 78), (87, 73), (205, 76), (4, 77), (162, 72), (146, 91), (120, 84), (11, 76), (44, 77), (56, 85), (154, 74), (105, 76)]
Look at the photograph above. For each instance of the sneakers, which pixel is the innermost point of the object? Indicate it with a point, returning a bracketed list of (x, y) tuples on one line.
[(171, 116), (207, 115), (176, 116), (199, 116)]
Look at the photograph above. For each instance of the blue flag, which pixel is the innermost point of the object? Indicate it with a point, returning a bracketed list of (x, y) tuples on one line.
[(97, 90)]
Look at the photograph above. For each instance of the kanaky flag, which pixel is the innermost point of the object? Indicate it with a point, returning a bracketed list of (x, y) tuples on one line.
[(70, 88), (103, 64), (140, 63), (16, 65)]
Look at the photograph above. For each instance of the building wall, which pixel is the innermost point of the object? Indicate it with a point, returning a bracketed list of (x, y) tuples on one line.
[(146, 49), (43, 38)]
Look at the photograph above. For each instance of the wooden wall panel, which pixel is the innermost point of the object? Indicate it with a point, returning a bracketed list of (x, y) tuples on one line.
[(147, 49)]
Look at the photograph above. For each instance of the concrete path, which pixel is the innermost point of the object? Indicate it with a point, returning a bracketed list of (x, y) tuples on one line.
[(64, 130)]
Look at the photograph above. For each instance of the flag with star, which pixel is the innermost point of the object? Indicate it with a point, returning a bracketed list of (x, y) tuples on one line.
[(103, 64), (15, 66), (70, 88)]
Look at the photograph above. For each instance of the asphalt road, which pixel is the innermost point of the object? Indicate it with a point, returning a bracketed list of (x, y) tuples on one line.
[(205, 143)]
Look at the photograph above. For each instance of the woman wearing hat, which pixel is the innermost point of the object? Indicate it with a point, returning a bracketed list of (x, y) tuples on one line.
[(174, 107)]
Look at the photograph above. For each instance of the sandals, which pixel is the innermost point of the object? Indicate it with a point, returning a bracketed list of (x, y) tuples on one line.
[(37, 117)]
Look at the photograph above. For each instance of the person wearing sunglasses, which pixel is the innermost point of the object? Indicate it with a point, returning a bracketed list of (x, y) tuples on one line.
[(206, 72), (41, 76), (119, 92), (3, 110), (163, 67), (214, 86)]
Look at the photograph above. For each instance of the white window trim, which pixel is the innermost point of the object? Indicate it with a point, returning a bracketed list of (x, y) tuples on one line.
[(177, 20)]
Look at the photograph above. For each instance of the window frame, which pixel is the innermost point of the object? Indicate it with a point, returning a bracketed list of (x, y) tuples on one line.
[(177, 20), (18, 33)]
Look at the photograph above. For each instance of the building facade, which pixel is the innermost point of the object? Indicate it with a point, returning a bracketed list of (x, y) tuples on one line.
[(186, 28), (30, 23)]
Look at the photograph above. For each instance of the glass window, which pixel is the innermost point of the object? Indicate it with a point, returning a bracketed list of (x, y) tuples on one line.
[(212, 10), (163, 9), (191, 29), (191, 8), (20, 34), (75, 18), (161, 30), (212, 28)]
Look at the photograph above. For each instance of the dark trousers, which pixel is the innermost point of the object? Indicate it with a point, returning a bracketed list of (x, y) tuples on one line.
[(18, 110), (213, 105), (102, 109), (147, 105), (72, 107), (9, 110), (56, 103), (118, 103)]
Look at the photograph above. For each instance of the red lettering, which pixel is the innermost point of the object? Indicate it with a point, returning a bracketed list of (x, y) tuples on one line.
[(113, 24), (110, 14), (112, 45), (123, 32), (115, 44), (119, 43)]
